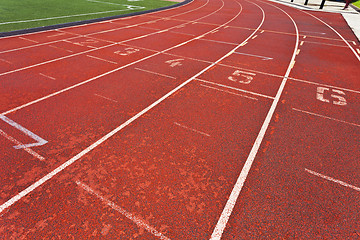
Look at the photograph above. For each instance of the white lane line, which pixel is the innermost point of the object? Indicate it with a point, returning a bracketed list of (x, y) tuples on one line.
[(137, 220), (3, 60), (63, 166), (333, 180), (210, 40), (237, 89), (314, 32), (155, 73), (39, 140), (101, 59), (230, 204), (105, 97), (28, 150), (257, 56), (322, 116), (107, 73), (52, 46), (347, 43), (218, 89), (243, 44), (106, 46), (47, 76), (33, 41), (327, 44), (191, 129), (105, 2), (324, 85), (254, 37)]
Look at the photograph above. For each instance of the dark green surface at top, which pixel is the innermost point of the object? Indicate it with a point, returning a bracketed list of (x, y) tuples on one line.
[(25, 10)]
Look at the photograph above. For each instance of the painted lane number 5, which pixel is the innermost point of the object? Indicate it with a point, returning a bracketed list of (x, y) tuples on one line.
[(246, 76), (337, 95)]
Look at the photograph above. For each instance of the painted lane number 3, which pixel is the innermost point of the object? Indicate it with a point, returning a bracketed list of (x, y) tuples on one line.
[(127, 51), (336, 95)]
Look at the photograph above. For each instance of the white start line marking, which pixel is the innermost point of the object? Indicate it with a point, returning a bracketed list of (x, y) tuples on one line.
[(39, 140)]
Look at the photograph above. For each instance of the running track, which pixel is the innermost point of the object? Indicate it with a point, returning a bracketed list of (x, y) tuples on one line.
[(226, 119)]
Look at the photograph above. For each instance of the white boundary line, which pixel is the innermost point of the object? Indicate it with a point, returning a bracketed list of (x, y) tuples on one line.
[(322, 116), (230, 204), (138, 221), (63, 166), (333, 180)]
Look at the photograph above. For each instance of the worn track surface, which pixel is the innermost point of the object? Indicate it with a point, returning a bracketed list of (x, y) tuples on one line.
[(226, 119)]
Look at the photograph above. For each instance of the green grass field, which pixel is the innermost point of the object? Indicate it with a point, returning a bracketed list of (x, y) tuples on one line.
[(15, 14), (357, 3)]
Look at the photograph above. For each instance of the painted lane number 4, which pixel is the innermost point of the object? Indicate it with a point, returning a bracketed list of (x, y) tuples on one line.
[(337, 95), (247, 77)]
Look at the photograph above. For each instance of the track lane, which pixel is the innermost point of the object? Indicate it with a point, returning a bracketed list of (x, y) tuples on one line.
[(287, 194)]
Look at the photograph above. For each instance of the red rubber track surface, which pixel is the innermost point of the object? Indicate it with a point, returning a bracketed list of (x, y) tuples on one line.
[(148, 121)]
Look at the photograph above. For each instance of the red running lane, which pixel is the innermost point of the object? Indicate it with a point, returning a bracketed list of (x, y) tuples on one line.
[(169, 174)]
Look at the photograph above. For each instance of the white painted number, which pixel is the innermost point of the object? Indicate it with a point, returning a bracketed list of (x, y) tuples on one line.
[(247, 77), (127, 51), (175, 62), (86, 42), (337, 94)]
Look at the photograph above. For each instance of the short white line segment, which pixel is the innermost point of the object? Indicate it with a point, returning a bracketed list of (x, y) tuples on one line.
[(330, 118), (333, 180), (47, 76), (28, 150), (106, 98), (101, 59), (138, 221), (191, 129), (155, 73), (237, 89), (257, 56), (218, 89)]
